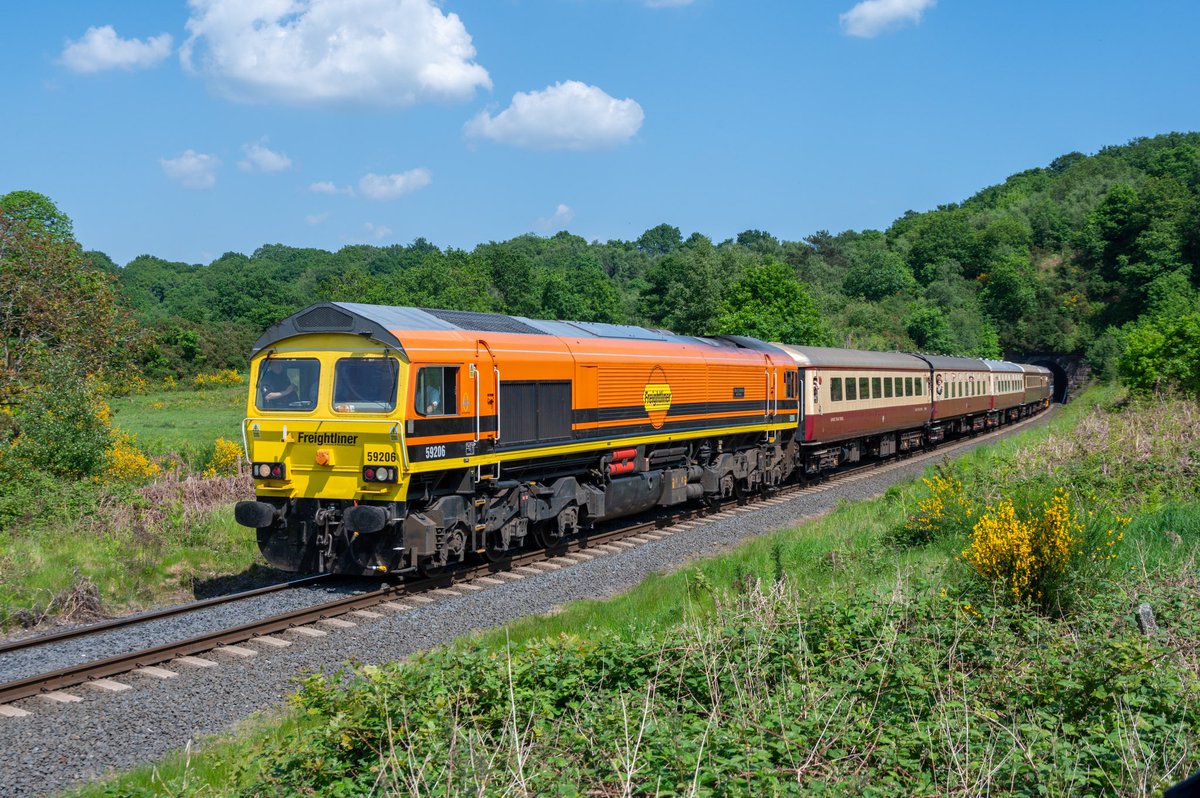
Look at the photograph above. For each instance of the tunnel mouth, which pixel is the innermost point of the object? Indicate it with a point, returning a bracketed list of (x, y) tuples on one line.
[(1061, 384)]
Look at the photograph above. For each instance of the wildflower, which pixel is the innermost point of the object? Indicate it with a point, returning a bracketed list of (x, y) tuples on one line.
[(1025, 555), (226, 459), (125, 462)]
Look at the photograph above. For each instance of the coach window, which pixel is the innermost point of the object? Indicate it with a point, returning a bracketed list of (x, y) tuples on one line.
[(835, 389), (908, 388), (365, 384), (287, 383), (917, 383), (851, 389), (887, 387), (876, 388), (437, 391), (864, 388)]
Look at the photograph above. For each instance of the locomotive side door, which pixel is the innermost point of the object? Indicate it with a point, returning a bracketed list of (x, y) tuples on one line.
[(485, 374)]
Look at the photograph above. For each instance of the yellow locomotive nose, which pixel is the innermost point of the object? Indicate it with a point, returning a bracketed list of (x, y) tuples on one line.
[(324, 457)]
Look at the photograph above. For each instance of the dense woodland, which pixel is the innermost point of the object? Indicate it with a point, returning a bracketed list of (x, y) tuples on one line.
[(1065, 258), (1061, 258)]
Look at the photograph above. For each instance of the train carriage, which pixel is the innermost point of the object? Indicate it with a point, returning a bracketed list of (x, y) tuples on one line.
[(860, 397), (1008, 390), (1038, 385), (961, 396)]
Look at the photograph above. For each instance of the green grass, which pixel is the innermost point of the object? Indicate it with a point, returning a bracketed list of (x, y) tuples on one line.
[(838, 553), (132, 564), (182, 422)]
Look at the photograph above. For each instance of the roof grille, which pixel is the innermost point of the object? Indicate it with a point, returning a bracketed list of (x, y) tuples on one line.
[(325, 318), (483, 322)]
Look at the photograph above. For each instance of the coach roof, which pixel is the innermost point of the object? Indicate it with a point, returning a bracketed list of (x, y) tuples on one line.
[(1002, 365), (810, 356), (948, 363)]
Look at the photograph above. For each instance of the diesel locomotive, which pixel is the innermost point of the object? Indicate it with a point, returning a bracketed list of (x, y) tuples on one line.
[(407, 440)]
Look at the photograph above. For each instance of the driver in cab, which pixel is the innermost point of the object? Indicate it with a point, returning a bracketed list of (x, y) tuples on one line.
[(277, 387)]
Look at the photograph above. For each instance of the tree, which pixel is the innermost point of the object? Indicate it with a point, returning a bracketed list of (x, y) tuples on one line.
[(52, 303), (760, 242), (683, 289), (1163, 353), (875, 270), (930, 331), (769, 303), (39, 213), (660, 240), (1009, 294)]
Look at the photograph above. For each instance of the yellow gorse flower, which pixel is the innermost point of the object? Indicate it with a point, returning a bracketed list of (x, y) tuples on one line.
[(1024, 554), (226, 459), (219, 378), (946, 506), (126, 462)]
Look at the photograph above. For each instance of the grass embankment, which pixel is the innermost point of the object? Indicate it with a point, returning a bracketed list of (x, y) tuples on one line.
[(112, 547), (831, 659), (182, 423)]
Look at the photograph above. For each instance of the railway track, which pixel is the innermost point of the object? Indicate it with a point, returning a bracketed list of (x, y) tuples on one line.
[(394, 597), (126, 621)]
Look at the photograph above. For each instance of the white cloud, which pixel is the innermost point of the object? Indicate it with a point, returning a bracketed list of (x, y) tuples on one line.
[(315, 219), (561, 217), (101, 49), (873, 17), (384, 53), (260, 158), (566, 116), (329, 187), (377, 232), (387, 187), (192, 169)]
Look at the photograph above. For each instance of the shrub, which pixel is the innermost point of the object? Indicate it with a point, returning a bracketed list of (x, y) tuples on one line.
[(946, 511), (125, 462), (63, 427), (1029, 554), (226, 459), (218, 379)]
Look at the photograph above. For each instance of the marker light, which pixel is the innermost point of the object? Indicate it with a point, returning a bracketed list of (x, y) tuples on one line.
[(380, 474), (268, 470)]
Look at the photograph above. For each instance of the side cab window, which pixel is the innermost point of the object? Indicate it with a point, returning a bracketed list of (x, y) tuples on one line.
[(437, 391)]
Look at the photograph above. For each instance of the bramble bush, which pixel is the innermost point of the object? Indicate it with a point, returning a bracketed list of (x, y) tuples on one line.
[(776, 694)]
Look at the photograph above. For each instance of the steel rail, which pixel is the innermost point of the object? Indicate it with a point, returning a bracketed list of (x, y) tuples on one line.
[(154, 615), (113, 666)]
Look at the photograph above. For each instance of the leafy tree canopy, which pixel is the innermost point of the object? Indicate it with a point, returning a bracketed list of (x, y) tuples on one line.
[(768, 302)]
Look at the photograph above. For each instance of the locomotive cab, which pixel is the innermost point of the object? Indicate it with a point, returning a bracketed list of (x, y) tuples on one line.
[(324, 434)]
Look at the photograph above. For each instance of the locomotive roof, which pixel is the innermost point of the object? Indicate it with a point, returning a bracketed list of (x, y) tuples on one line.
[(381, 322), (828, 356)]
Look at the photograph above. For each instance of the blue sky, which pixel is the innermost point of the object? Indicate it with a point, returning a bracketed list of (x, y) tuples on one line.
[(188, 129)]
